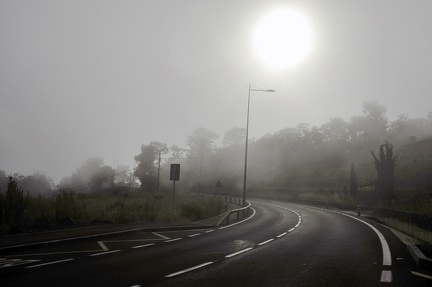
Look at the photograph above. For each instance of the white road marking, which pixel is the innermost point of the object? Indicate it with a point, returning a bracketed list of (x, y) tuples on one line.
[(14, 262), (208, 231), (291, 229), (238, 252), (241, 221), (386, 276), (387, 261), (193, 235), (189, 269), (135, 286), (50, 263), (160, 235), (103, 253), (145, 245), (55, 253), (172, 240), (265, 242), (103, 246), (421, 275), (283, 234)]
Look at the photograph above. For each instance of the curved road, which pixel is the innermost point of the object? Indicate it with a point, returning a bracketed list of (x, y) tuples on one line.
[(282, 244)]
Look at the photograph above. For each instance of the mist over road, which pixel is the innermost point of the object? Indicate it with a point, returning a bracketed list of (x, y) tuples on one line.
[(280, 245)]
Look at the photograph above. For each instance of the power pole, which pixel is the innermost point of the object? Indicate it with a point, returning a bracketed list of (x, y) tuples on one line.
[(159, 172)]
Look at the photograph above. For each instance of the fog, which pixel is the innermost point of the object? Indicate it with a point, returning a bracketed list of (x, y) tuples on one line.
[(84, 79)]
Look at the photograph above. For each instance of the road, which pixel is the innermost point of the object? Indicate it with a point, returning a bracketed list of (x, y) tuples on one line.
[(282, 244)]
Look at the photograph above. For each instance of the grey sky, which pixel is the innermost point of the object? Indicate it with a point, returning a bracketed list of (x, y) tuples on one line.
[(99, 78)]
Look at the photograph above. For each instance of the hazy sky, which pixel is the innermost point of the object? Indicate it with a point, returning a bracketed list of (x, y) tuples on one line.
[(99, 78)]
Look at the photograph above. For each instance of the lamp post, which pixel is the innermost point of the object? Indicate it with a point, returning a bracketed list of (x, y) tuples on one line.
[(251, 89)]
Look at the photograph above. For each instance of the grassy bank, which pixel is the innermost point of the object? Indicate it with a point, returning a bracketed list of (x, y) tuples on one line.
[(122, 205)]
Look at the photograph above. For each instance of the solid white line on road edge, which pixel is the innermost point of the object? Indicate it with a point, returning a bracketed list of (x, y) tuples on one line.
[(145, 245), (387, 261), (253, 214), (283, 234), (103, 253), (172, 240), (239, 252), (160, 235), (189, 269), (421, 275), (49, 263), (193, 235), (265, 242), (386, 276), (103, 246)]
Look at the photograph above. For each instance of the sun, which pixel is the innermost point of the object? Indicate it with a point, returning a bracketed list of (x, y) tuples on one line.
[(282, 38)]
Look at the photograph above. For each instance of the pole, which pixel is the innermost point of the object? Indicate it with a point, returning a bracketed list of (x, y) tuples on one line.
[(246, 149), (158, 188), (173, 198)]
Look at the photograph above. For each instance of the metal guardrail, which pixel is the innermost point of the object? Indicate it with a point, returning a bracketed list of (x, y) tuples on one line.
[(240, 212)]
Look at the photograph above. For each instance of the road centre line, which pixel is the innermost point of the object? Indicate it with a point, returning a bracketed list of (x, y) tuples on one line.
[(282, 234), (265, 242), (193, 235), (189, 269), (50, 263), (145, 245), (103, 253), (209, 231), (172, 240), (386, 276), (238, 252), (291, 229)]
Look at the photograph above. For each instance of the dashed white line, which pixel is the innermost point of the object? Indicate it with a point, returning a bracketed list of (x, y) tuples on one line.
[(50, 263), (172, 240), (208, 231), (193, 235), (291, 229), (265, 242), (282, 234), (238, 252), (103, 253), (386, 276), (189, 269), (145, 245)]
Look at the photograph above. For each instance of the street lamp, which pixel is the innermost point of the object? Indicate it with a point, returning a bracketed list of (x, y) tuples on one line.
[(251, 89)]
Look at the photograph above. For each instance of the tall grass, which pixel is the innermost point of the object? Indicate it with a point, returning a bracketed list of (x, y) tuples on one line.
[(116, 206)]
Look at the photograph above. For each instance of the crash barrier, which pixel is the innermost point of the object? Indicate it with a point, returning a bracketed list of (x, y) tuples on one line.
[(240, 213)]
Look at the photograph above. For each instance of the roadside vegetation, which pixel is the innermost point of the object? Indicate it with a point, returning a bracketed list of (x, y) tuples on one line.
[(24, 213), (368, 161)]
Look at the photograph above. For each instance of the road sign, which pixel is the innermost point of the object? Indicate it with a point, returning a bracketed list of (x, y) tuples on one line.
[(218, 184), (175, 171)]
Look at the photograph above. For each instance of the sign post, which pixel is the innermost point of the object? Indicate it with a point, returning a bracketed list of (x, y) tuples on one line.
[(174, 175)]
